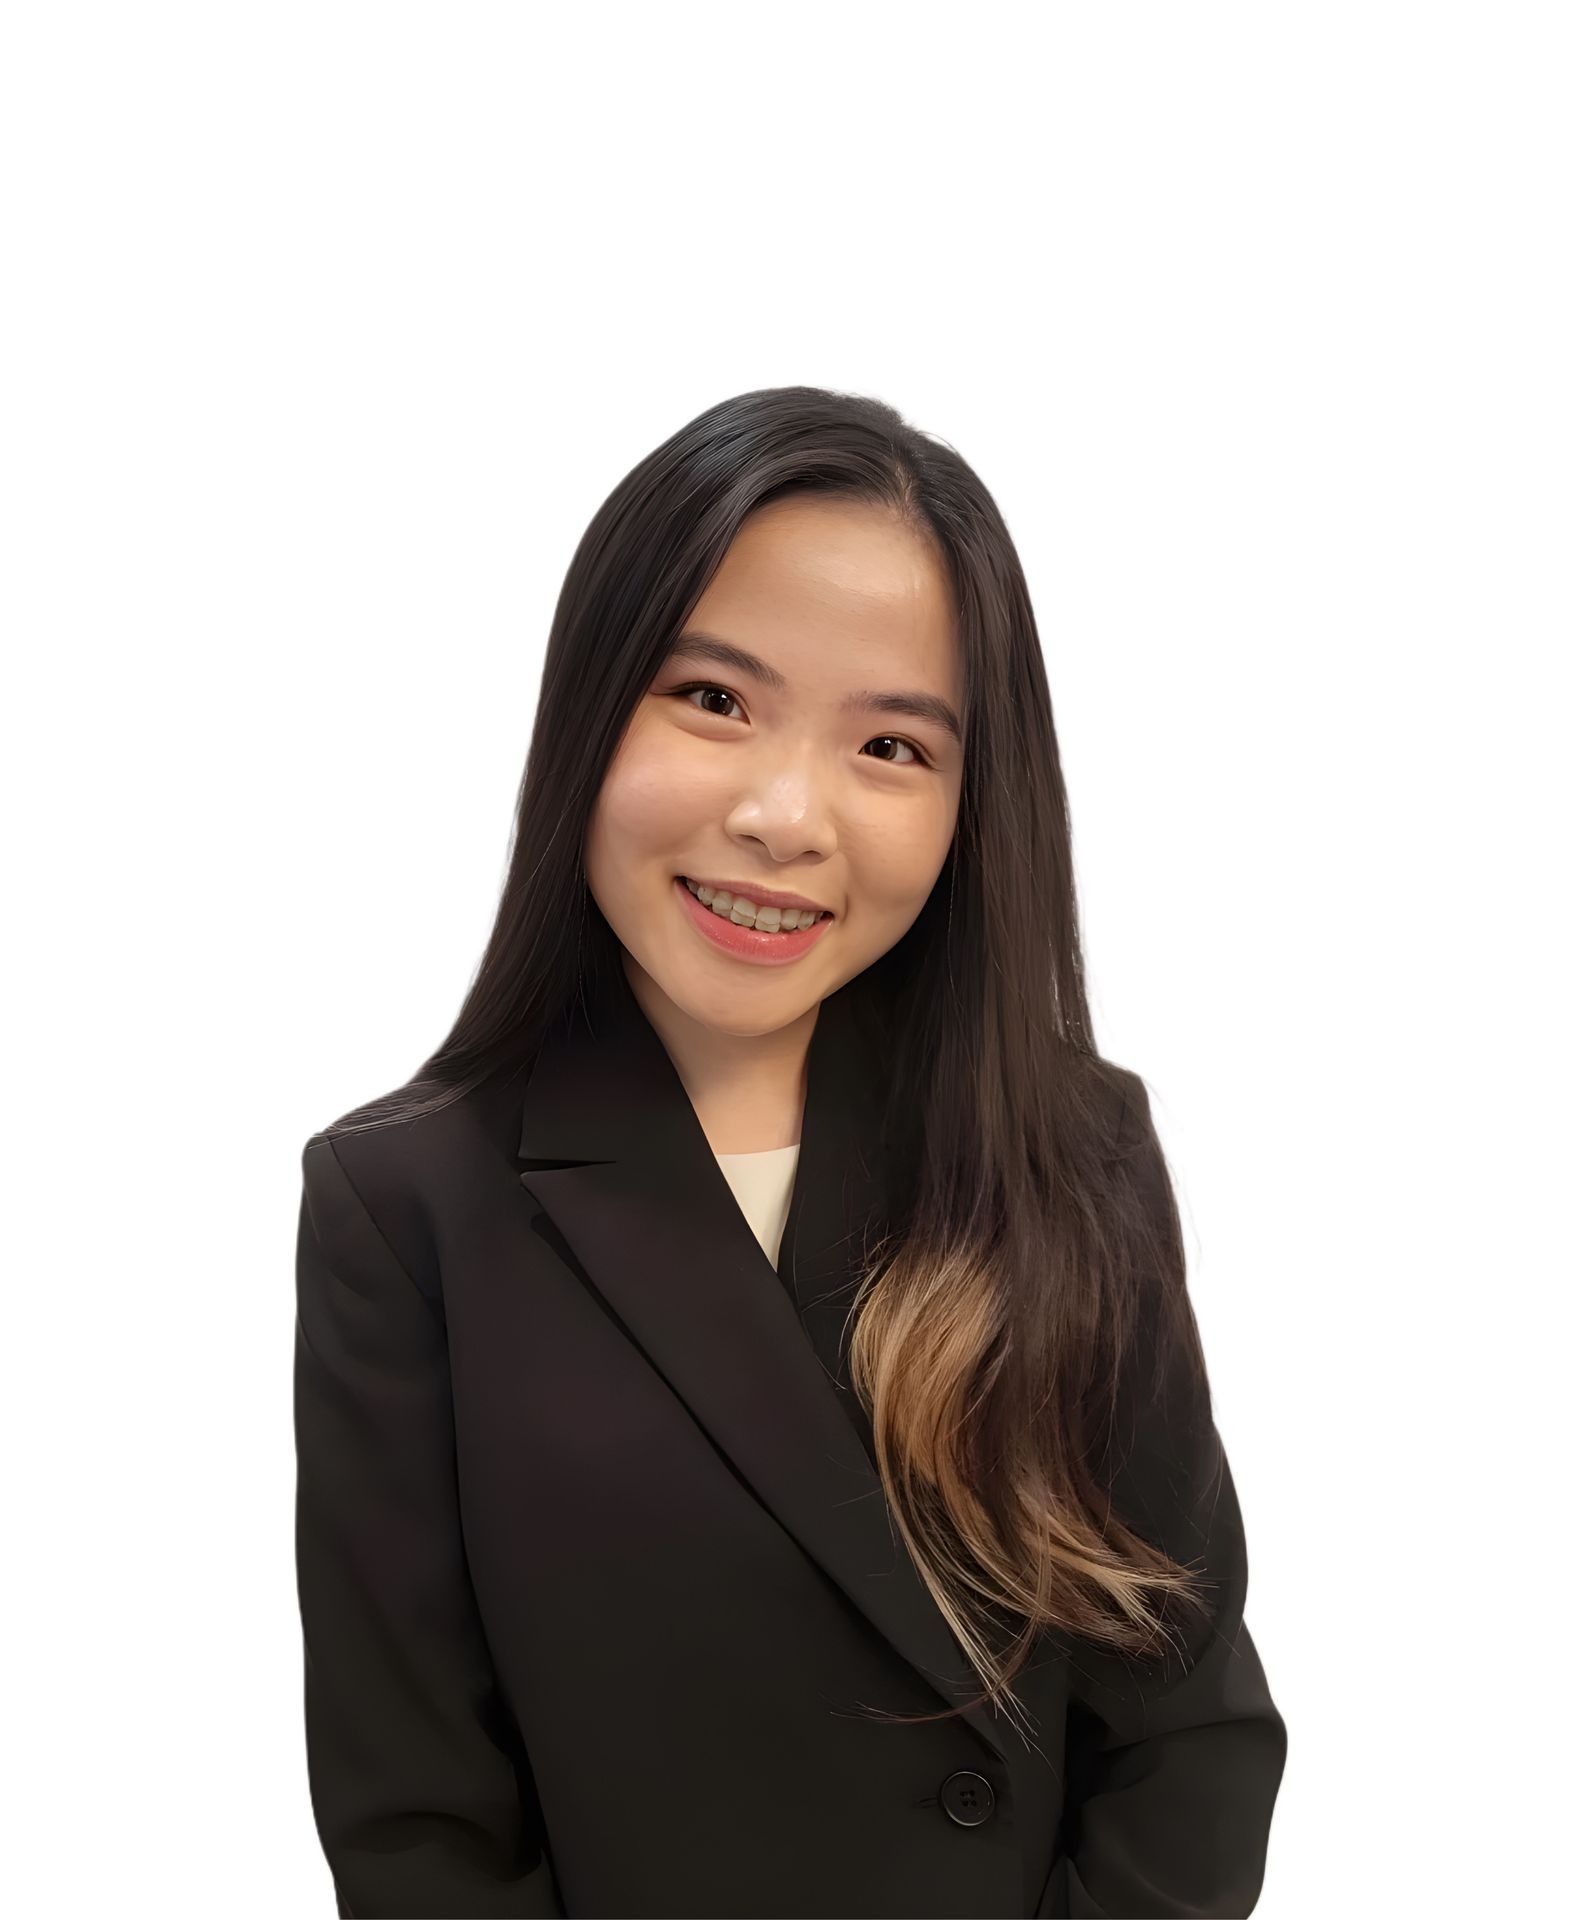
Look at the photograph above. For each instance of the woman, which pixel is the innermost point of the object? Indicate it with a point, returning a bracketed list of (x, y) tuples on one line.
[(755, 1451)]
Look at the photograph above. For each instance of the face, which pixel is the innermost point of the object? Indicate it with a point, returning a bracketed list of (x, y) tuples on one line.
[(821, 766)]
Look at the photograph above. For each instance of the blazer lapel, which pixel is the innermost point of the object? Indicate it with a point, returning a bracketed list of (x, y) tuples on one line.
[(657, 1233)]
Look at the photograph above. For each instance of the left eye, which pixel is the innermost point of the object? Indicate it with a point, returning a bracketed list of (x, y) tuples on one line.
[(895, 740)]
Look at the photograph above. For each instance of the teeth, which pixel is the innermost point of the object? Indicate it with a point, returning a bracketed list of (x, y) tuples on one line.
[(742, 912)]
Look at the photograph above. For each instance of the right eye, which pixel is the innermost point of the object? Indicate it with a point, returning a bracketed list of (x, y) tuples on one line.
[(704, 686)]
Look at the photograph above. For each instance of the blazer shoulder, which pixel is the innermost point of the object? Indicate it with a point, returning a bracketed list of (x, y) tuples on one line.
[(1126, 1104), (413, 1156)]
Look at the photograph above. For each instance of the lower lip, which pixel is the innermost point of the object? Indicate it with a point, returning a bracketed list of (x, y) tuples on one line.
[(747, 943)]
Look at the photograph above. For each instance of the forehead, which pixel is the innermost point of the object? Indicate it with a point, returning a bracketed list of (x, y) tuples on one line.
[(840, 585)]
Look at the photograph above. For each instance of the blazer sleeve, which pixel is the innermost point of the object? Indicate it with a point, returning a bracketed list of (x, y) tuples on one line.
[(420, 1787), (1173, 1770)]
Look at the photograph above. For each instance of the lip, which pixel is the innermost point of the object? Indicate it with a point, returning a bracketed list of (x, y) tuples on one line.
[(760, 896), (747, 943)]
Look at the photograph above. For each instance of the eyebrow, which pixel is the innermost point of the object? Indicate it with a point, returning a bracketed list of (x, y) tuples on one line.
[(931, 707)]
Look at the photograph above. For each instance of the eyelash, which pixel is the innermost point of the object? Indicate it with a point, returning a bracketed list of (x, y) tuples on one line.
[(709, 686)]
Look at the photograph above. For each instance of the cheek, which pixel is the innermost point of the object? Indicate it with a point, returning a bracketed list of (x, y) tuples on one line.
[(645, 811), (899, 856)]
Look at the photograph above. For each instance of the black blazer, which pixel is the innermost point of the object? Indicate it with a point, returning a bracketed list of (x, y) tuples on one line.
[(597, 1578)]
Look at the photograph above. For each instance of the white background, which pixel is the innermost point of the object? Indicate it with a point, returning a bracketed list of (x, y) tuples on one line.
[(328, 328)]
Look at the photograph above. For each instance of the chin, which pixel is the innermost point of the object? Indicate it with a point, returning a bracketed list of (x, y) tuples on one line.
[(742, 1014)]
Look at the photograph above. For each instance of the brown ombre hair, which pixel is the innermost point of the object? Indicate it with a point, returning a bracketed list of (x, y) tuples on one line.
[(1023, 1306)]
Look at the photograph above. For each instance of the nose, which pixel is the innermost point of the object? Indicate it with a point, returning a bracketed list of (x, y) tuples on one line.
[(785, 802)]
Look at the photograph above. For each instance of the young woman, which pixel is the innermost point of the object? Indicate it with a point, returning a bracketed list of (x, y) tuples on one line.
[(755, 1450)]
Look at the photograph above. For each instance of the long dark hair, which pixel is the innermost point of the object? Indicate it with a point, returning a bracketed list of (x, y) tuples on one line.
[(1033, 1265)]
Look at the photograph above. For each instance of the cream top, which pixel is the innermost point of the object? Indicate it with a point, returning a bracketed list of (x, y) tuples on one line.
[(762, 1183)]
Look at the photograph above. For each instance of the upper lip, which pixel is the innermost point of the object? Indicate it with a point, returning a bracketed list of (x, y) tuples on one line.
[(760, 896)]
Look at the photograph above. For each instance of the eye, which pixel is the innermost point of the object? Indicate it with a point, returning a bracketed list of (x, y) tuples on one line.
[(918, 758), (703, 686)]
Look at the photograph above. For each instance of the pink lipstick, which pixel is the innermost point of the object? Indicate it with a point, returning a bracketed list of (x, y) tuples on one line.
[(749, 943)]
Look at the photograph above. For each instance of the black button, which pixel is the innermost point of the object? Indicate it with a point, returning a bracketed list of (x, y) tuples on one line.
[(967, 1798)]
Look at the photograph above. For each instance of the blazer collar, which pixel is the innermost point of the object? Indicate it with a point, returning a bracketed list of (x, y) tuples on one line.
[(657, 1232)]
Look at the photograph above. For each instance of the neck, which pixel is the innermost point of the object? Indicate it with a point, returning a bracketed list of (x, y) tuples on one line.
[(748, 1090)]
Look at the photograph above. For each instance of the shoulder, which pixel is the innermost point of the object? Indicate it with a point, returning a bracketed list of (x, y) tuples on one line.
[(1142, 1191), (1124, 1105), (415, 1158)]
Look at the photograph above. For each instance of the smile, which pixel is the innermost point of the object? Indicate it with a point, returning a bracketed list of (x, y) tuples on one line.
[(742, 912), (764, 935)]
